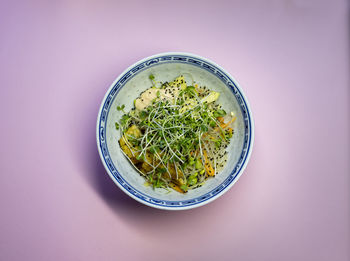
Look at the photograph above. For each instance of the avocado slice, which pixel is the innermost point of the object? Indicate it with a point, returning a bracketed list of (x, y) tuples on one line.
[(179, 82), (211, 97)]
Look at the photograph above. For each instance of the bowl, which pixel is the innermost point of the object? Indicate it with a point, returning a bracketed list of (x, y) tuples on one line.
[(128, 86)]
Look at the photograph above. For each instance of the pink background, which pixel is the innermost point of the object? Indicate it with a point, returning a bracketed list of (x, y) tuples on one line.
[(57, 59)]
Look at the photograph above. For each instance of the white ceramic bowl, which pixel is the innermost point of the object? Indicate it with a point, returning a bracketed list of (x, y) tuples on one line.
[(129, 85)]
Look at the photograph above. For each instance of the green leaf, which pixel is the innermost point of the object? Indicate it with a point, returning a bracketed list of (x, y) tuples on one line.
[(219, 113), (191, 90), (198, 164), (151, 77), (124, 119), (153, 149), (204, 128), (143, 115), (184, 187), (222, 112), (212, 123), (120, 108), (140, 156), (162, 170), (192, 180)]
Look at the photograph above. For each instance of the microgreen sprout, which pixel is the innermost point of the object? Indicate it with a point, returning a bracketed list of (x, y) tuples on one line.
[(121, 108), (176, 140)]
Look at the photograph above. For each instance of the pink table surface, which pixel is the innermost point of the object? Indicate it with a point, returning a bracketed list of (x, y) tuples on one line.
[(57, 59)]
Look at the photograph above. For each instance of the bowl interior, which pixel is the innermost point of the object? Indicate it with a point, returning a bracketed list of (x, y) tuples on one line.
[(127, 90)]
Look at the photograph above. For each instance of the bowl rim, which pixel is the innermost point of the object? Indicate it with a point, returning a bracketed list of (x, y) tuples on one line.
[(249, 148)]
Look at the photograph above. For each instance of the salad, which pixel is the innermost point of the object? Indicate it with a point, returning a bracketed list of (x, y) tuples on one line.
[(176, 135)]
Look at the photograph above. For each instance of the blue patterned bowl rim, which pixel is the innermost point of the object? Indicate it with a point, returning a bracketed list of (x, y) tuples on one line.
[(211, 67)]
